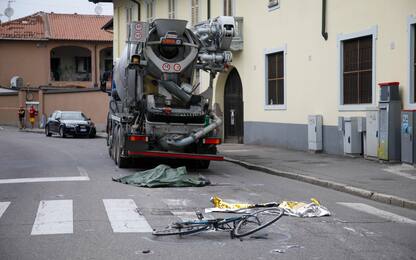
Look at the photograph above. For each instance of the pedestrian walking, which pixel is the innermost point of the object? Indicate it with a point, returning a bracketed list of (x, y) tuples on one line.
[(32, 114), (21, 113)]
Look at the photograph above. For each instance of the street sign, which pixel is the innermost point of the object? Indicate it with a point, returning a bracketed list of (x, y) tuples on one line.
[(138, 31)]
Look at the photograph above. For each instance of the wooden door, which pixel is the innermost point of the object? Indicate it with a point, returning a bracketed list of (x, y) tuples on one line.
[(233, 109)]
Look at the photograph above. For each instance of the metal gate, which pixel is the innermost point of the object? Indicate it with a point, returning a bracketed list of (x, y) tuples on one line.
[(233, 109)]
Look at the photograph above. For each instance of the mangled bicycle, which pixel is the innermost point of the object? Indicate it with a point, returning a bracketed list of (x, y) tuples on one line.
[(239, 226)]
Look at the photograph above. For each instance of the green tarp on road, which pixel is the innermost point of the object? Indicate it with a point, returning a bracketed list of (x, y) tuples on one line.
[(163, 176)]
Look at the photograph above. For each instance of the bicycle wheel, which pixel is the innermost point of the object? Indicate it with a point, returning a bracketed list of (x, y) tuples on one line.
[(256, 221), (181, 229)]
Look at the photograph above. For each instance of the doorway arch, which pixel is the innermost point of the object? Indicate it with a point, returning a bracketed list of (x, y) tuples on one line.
[(233, 109)]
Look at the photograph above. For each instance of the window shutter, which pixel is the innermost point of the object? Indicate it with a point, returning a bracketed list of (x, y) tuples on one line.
[(357, 70)]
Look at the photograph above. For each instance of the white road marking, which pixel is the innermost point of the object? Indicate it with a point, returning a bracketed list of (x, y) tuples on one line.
[(124, 218), (53, 217), (3, 207), (398, 170), (378, 212), (189, 215), (176, 203), (44, 179), (82, 171), (185, 215)]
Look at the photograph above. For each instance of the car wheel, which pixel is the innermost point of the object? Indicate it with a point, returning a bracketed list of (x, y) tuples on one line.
[(92, 134), (62, 132), (47, 131)]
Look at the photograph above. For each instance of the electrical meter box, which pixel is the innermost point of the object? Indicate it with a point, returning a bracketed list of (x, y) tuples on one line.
[(352, 138), (371, 142), (315, 132), (389, 140), (408, 132)]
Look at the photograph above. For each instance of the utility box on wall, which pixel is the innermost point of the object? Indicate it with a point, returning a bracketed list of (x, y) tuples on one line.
[(408, 130), (315, 132), (371, 142), (352, 137), (389, 141)]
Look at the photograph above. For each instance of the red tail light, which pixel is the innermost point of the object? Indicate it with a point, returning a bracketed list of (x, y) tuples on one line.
[(142, 138), (167, 110), (211, 141)]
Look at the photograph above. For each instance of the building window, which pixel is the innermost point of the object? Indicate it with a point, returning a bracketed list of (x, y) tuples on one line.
[(357, 70), (357, 66), (129, 14), (273, 4), (83, 64), (228, 7), (150, 12), (194, 12), (275, 79), (172, 9)]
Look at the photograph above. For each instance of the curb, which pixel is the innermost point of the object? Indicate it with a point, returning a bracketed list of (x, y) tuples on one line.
[(376, 196)]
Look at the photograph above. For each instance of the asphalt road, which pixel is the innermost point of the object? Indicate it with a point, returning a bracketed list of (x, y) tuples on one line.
[(63, 204)]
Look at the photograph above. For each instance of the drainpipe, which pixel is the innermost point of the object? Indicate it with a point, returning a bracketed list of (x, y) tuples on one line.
[(208, 9), (323, 32), (138, 9)]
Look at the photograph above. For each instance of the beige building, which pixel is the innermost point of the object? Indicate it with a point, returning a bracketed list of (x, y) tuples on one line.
[(298, 58)]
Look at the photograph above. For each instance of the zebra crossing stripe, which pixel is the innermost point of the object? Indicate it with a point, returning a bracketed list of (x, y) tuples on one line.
[(378, 212), (124, 218), (184, 216), (44, 179), (53, 217), (3, 207)]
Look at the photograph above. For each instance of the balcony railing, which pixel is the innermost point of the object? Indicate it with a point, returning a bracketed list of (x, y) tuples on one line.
[(237, 43)]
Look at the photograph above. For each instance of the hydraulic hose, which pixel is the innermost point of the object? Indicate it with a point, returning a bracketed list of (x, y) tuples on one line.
[(175, 90), (201, 133)]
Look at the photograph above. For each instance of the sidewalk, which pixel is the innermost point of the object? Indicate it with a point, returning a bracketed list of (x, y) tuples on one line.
[(388, 183)]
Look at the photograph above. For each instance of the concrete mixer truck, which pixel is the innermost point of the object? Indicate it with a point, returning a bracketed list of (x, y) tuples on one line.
[(157, 108)]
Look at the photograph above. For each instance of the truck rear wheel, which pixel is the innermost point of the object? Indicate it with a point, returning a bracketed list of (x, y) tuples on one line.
[(120, 161), (203, 164), (112, 142)]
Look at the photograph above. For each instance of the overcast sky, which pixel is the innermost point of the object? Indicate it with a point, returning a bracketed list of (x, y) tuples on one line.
[(28, 7)]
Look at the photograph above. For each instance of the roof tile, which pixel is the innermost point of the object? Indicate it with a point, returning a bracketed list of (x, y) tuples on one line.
[(58, 27)]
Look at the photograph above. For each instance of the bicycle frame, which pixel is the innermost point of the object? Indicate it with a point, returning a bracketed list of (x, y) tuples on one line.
[(213, 223), (238, 228)]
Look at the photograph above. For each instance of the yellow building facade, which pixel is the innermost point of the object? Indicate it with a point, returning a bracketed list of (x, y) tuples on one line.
[(300, 58)]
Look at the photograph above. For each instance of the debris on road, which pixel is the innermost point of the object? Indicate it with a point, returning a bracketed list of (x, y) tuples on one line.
[(163, 176), (284, 248), (222, 206), (291, 208), (304, 210)]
